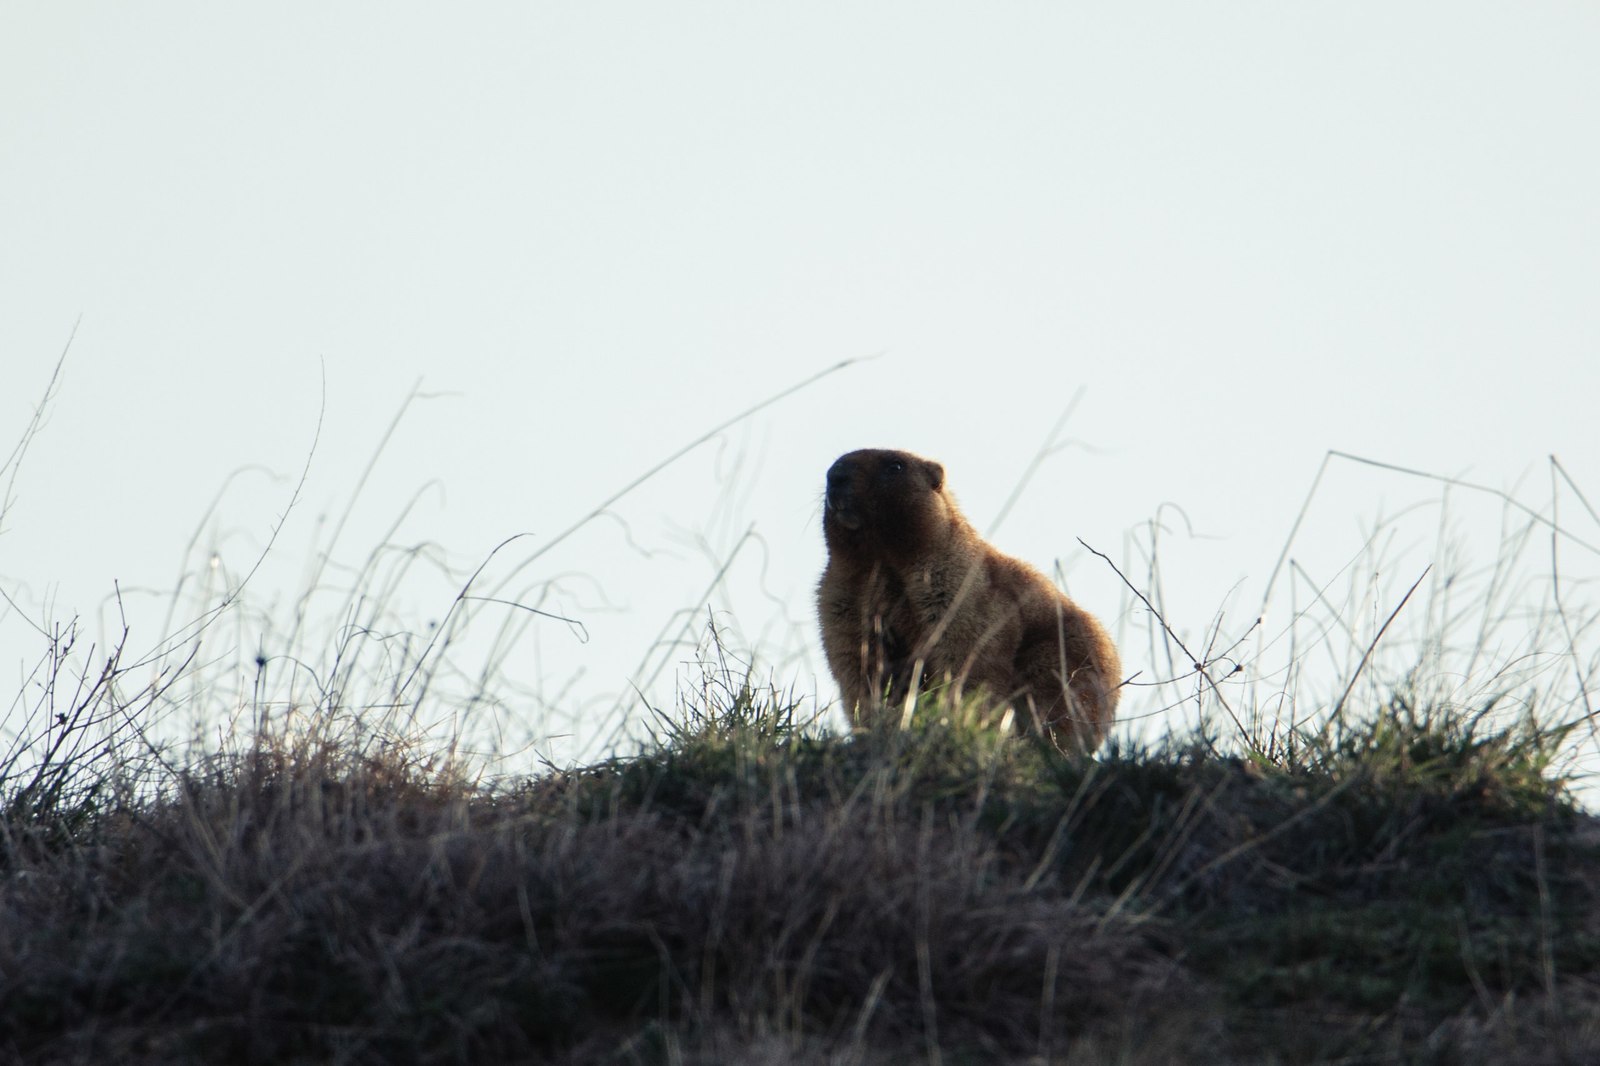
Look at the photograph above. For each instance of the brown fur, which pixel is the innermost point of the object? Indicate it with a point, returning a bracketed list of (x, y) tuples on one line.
[(912, 595)]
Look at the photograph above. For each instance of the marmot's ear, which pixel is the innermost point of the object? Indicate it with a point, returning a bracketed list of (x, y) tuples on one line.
[(935, 474)]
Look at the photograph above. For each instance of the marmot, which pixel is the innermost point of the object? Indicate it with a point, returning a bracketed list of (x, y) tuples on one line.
[(912, 595)]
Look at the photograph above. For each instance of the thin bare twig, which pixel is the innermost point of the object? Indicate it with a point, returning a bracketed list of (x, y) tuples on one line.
[(1509, 500), (1200, 667), (1339, 706)]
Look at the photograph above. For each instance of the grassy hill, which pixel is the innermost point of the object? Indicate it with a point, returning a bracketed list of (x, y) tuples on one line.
[(1408, 884)]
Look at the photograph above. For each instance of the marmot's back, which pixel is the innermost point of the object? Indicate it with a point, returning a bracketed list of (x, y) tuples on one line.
[(913, 595)]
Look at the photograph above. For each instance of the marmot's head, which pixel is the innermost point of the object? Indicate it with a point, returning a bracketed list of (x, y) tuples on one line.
[(885, 503)]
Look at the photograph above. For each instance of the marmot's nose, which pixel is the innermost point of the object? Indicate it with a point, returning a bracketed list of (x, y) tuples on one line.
[(838, 482)]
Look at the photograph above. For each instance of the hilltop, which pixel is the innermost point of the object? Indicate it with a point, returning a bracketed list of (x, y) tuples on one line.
[(1410, 885)]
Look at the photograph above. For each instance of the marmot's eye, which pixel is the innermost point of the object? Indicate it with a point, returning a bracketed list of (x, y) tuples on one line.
[(895, 466)]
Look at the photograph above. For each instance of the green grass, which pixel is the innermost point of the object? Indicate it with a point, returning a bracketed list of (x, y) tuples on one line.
[(1413, 884)]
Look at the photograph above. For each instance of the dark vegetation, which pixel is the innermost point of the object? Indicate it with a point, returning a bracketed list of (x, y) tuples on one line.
[(1408, 885)]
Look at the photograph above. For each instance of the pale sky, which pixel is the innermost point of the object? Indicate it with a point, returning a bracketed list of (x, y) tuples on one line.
[(1248, 233)]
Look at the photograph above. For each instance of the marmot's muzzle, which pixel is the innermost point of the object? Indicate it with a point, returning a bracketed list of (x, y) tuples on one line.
[(838, 498)]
